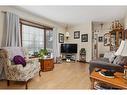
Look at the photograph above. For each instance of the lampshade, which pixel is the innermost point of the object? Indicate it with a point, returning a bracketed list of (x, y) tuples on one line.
[(124, 51), (120, 49), (67, 34)]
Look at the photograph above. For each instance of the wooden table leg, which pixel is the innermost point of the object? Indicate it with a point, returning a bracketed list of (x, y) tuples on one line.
[(26, 85), (8, 83), (40, 73), (92, 83)]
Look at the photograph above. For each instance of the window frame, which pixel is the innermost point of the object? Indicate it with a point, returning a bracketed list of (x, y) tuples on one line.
[(36, 25)]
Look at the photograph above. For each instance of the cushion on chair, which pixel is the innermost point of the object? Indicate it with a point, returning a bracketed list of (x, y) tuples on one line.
[(19, 60), (13, 51)]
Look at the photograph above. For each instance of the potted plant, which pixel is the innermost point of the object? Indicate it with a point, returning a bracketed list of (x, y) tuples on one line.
[(82, 51), (46, 63), (82, 55), (42, 53)]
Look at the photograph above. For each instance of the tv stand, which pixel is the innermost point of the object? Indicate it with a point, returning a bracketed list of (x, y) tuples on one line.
[(69, 56)]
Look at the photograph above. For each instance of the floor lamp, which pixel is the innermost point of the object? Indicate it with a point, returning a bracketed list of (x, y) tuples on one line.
[(122, 51), (121, 48)]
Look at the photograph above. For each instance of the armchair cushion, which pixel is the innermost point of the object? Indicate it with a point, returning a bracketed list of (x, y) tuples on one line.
[(13, 51), (19, 60)]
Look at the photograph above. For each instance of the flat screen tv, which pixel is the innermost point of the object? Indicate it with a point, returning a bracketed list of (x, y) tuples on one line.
[(68, 48)]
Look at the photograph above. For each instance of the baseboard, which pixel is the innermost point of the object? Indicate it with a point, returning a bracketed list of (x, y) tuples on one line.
[(82, 61)]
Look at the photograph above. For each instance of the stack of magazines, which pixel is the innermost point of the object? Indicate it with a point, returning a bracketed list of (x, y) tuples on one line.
[(102, 86)]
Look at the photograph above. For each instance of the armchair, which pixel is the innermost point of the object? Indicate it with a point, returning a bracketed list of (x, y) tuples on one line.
[(18, 72)]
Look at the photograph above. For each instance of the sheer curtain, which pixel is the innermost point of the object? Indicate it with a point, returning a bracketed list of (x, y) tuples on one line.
[(11, 36), (56, 50)]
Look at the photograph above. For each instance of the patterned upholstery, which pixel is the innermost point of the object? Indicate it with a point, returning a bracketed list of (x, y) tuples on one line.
[(18, 72), (2, 60)]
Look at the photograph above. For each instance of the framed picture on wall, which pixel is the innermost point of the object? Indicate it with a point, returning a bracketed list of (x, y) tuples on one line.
[(100, 39), (76, 34), (61, 38), (107, 39), (84, 38)]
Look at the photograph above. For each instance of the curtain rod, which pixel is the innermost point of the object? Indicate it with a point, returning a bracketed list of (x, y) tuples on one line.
[(47, 27), (4, 11)]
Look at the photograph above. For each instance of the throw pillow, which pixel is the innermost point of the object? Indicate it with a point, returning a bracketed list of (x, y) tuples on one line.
[(123, 61), (19, 60), (110, 56), (117, 60)]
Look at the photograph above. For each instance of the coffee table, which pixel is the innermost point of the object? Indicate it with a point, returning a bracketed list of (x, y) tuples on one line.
[(118, 81)]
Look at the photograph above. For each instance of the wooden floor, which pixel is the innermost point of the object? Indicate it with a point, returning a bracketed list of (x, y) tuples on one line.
[(64, 76)]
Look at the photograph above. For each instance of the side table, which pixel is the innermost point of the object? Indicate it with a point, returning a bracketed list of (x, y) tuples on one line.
[(46, 64)]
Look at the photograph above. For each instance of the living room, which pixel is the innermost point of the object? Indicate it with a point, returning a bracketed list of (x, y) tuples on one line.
[(89, 30)]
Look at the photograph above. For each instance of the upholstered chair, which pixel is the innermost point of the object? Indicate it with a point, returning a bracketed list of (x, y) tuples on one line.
[(18, 72)]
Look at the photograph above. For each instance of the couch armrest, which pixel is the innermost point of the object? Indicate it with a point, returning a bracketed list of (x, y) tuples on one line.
[(105, 65)]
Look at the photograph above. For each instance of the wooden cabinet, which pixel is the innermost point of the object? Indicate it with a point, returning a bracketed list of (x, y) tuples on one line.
[(46, 64), (115, 38)]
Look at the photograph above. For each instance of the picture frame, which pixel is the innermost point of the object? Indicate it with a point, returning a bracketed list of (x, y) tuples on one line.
[(100, 39), (84, 38), (107, 39), (61, 38), (76, 34)]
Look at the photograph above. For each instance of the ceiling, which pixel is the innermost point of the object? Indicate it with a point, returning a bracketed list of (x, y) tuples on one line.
[(74, 15)]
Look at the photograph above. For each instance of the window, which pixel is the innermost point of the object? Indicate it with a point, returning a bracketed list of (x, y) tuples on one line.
[(32, 38), (35, 38)]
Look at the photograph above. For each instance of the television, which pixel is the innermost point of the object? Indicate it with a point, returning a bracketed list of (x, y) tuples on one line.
[(68, 48)]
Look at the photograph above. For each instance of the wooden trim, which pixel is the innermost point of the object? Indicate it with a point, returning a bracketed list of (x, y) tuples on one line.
[(26, 84), (28, 24), (34, 24), (44, 38), (8, 83), (21, 32)]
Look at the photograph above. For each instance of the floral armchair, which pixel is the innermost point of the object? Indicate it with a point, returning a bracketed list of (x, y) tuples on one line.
[(18, 72)]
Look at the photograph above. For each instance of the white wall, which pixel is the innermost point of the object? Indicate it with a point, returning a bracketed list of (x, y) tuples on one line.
[(84, 29), (100, 31), (28, 16), (125, 21), (106, 28)]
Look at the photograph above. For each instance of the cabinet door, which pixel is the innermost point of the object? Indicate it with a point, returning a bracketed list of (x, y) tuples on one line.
[(48, 64)]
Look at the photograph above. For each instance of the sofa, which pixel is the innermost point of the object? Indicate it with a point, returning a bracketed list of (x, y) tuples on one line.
[(109, 61)]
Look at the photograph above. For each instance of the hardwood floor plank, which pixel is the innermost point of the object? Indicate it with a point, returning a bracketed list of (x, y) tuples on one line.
[(63, 76)]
